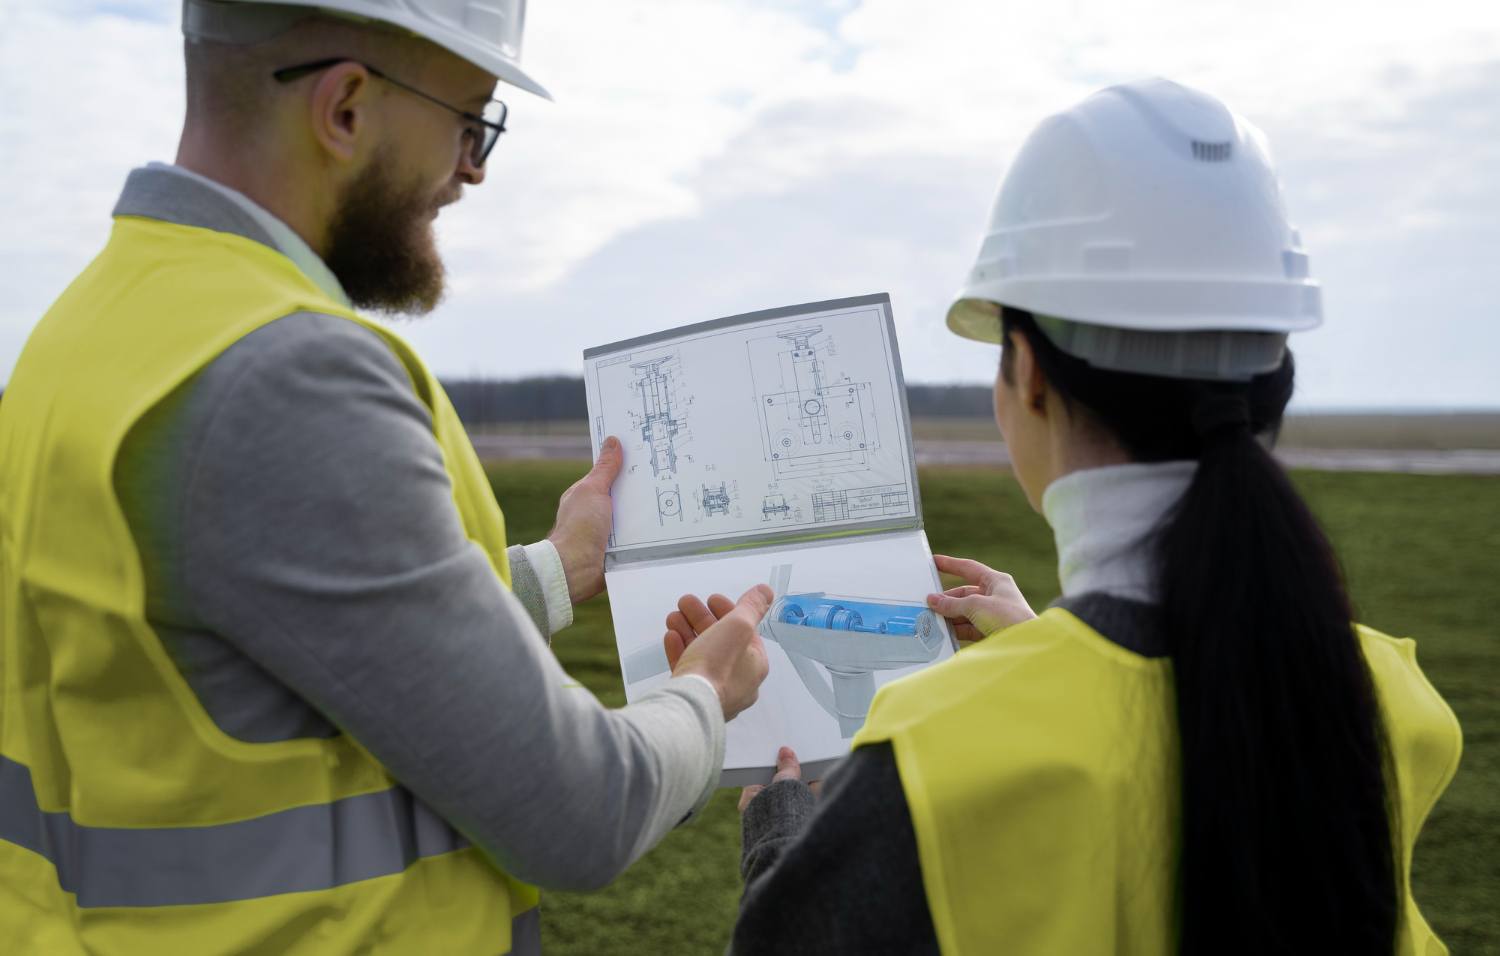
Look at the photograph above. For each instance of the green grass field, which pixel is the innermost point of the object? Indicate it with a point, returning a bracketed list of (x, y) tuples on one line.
[(1421, 558)]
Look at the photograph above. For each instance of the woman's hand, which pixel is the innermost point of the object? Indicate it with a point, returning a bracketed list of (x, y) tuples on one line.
[(788, 767), (987, 601)]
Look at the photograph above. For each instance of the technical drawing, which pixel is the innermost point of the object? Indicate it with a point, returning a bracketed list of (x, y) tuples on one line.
[(660, 419), (813, 424), (852, 638), (668, 504), (856, 503), (715, 501), (773, 506)]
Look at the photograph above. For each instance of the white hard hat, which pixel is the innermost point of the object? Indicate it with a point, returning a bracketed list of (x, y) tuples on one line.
[(487, 33), (1147, 208)]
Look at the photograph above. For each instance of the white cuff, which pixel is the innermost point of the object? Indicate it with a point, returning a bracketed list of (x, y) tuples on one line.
[(554, 583), (706, 683)]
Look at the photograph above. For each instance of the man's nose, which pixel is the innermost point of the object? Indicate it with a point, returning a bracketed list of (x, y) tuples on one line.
[(468, 171)]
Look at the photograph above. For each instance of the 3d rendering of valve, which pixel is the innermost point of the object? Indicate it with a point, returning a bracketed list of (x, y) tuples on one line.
[(852, 638)]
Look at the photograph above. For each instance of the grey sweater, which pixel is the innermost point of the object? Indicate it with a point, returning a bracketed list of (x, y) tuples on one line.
[(308, 573)]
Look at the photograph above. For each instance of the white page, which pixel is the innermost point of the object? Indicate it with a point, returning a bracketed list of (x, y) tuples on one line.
[(893, 569), (735, 429)]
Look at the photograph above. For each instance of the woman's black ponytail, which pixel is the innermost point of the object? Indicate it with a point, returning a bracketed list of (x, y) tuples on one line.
[(1287, 838)]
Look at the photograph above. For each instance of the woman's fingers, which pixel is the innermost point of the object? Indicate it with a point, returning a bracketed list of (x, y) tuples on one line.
[(788, 767), (987, 609), (963, 606), (963, 590), (971, 571), (986, 578), (963, 630), (748, 794)]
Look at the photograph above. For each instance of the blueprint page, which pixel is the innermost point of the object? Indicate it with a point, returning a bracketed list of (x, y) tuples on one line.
[(849, 616), (754, 425)]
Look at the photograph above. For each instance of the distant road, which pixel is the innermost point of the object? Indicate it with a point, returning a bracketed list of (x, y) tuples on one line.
[(965, 452), (1414, 461)]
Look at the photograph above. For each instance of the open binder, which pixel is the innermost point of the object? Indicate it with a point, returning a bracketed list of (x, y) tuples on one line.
[(772, 447)]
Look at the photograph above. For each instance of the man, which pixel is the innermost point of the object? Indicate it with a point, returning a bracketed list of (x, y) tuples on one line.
[(265, 687)]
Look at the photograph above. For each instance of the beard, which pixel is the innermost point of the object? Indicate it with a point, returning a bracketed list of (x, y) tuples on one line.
[(381, 245)]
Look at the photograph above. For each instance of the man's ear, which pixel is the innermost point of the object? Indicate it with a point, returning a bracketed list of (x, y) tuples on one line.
[(339, 109)]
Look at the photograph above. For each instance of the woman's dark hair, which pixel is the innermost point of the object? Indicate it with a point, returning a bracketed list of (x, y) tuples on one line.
[(1287, 838)]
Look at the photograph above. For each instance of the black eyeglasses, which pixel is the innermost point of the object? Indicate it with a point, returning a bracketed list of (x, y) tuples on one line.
[(482, 132)]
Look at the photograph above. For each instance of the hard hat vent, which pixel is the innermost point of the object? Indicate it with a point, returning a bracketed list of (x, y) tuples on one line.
[(1211, 152)]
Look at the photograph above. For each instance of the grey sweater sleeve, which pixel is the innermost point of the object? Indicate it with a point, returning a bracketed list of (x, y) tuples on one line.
[(321, 541), (838, 876)]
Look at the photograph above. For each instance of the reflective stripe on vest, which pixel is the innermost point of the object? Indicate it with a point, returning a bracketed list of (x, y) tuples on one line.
[(129, 822), (357, 838), (1040, 766)]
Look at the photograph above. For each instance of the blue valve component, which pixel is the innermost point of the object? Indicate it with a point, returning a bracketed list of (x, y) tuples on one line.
[(817, 610)]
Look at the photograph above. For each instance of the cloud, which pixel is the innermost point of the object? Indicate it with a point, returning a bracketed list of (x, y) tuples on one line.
[(1398, 210), (706, 157), (876, 226), (87, 95)]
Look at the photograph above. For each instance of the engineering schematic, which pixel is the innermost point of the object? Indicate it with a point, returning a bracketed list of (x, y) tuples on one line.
[(812, 424), (661, 424), (763, 429), (716, 501), (660, 420), (669, 503)]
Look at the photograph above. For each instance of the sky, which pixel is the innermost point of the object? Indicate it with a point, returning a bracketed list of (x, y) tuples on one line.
[(711, 157)]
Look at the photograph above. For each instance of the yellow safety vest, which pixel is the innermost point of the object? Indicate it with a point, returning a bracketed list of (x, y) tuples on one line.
[(129, 823), (1041, 767)]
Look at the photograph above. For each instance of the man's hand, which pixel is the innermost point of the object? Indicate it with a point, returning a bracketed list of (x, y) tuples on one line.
[(987, 601), (720, 641), (585, 515)]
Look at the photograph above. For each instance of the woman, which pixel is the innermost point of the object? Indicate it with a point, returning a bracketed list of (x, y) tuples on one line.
[(1193, 750)]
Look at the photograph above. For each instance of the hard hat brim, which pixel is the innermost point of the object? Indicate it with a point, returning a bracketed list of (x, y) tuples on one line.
[(977, 319), (488, 60), (1143, 303)]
